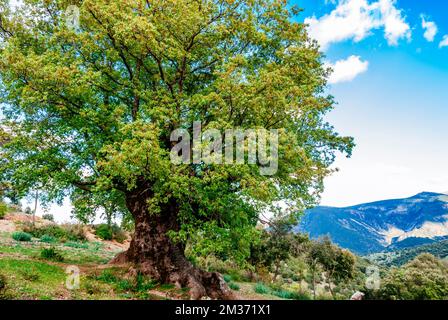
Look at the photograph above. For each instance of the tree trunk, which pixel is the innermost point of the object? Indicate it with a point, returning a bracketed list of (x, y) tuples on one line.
[(154, 254)]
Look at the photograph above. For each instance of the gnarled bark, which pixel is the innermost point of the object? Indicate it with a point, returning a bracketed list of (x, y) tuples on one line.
[(154, 254)]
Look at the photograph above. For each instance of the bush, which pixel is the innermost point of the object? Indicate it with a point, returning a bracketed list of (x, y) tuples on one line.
[(63, 233), (3, 210), (234, 286), (104, 232), (21, 236), (28, 210), (48, 217), (261, 288), (51, 254), (114, 232), (227, 278), (47, 239)]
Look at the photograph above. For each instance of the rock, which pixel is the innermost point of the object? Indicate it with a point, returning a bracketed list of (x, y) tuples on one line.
[(357, 296)]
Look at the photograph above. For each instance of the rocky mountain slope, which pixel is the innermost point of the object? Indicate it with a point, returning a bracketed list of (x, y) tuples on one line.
[(377, 226)]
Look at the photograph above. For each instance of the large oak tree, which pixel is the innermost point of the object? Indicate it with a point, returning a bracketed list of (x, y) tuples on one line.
[(90, 110)]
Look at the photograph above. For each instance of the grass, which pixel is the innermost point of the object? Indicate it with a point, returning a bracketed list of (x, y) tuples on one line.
[(86, 253), (29, 276), (44, 280)]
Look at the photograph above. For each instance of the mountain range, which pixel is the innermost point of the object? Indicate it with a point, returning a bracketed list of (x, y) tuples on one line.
[(382, 225)]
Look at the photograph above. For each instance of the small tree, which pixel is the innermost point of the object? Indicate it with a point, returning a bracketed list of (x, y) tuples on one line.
[(337, 264)]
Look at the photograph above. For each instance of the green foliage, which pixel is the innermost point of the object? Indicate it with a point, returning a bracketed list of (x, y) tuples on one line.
[(338, 264), (48, 217), (111, 106), (51, 254), (234, 286), (66, 232), (3, 210), (227, 278), (113, 232), (103, 231), (424, 278), (107, 276), (400, 257), (261, 288), (276, 245), (28, 211), (21, 236), (47, 239)]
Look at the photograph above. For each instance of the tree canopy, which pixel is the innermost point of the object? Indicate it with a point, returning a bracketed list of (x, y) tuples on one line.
[(91, 107)]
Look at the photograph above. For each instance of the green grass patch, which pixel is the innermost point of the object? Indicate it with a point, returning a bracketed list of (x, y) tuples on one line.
[(76, 245), (31, 279)]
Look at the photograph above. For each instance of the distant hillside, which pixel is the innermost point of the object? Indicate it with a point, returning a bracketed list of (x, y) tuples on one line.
[(402, 256), (377, 226)]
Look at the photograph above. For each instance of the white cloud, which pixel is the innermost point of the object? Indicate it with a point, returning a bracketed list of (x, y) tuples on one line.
[(347, 70), (444, 42), (395, 26), (356, 19), (430, 29)]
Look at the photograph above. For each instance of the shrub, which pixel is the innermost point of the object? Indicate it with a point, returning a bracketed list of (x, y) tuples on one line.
[(227, 278), (114, 232), (48, 217), (104, 232), (261, 288), (51, 254), (47, 239), (28, 210), (3, 210), (67, 232), (234, 286), (21, 236)]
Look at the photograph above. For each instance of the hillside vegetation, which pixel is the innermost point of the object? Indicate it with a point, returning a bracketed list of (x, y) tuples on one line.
[(282, 266)]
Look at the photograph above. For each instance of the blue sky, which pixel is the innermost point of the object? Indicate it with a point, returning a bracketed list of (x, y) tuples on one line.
[(391, 85)]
